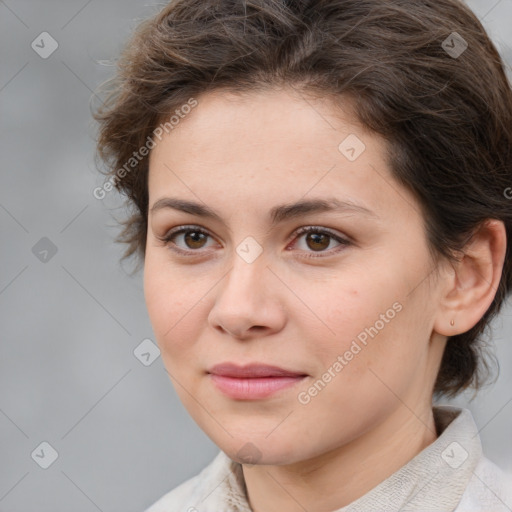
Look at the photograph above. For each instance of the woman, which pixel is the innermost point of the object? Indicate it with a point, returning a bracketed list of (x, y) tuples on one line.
[(320, 202)]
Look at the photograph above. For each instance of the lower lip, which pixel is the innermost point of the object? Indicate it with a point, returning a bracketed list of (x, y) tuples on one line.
[(252, 389)]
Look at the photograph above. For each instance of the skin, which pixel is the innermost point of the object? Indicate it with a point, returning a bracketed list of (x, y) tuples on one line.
[(241, 156)]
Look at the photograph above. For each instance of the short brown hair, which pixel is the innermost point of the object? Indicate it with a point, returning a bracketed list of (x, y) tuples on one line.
[(446, 118)]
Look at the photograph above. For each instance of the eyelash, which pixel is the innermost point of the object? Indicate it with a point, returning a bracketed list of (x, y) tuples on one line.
[(167, 239)]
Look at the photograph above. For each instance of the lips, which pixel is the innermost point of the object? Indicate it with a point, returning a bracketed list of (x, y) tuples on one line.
[(254, 381), (252, 371)]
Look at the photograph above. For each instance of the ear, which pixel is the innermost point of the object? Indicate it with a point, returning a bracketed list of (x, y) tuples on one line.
[(471, 286)]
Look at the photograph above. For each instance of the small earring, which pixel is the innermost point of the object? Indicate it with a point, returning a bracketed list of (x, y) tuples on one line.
[(452, 322)]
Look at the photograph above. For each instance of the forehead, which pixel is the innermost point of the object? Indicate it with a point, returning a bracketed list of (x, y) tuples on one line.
[(225, 123), (268, 146)]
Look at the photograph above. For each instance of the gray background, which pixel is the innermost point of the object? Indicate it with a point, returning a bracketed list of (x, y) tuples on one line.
[(69, 325)]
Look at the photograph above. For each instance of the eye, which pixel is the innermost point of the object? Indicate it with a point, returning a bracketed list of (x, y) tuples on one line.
[(193, 237), (319, 239)]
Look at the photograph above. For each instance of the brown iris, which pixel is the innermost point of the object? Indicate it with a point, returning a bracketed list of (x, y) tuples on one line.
[(193, 239), (319, 241)]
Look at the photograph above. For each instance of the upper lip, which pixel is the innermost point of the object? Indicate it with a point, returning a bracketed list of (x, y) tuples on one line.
[(252, 370)]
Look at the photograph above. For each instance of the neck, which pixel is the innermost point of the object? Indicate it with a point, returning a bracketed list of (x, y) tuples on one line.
[(337, 478)]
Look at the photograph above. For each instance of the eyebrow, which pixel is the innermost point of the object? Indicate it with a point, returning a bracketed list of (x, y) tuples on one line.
[(277, 214)]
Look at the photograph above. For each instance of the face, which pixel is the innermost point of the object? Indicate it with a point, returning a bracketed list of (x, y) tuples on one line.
[(347, 308)]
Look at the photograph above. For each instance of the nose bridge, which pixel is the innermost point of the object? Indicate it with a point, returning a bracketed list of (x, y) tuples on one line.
[(249, 266), (249, 250)]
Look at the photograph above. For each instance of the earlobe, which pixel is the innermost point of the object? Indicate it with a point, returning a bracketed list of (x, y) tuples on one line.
[(472, 286)]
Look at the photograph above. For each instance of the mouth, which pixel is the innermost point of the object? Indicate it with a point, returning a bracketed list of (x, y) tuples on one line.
[(253, 381)]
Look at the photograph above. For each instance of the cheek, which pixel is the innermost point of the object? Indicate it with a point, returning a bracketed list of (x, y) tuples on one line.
[(157, 296), (353, 305), (169, 307), (372, 323)]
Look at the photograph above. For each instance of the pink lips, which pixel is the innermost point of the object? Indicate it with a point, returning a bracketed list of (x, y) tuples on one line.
[(252, 381)]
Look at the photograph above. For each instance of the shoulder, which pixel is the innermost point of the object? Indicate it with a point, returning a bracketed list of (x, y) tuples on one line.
[(488, 490), (189, 493)]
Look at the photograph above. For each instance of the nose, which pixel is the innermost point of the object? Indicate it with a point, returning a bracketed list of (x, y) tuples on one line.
[(248, 301)]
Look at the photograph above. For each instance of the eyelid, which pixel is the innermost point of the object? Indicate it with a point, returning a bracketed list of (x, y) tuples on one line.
[(320, 229)]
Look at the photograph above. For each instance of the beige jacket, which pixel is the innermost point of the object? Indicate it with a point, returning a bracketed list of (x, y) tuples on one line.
[(449, 475)]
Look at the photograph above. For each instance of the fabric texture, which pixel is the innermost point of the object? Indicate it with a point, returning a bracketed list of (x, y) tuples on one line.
[(449, 475)]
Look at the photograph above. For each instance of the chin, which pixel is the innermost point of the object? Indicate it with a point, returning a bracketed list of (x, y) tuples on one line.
[(260, 451)]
